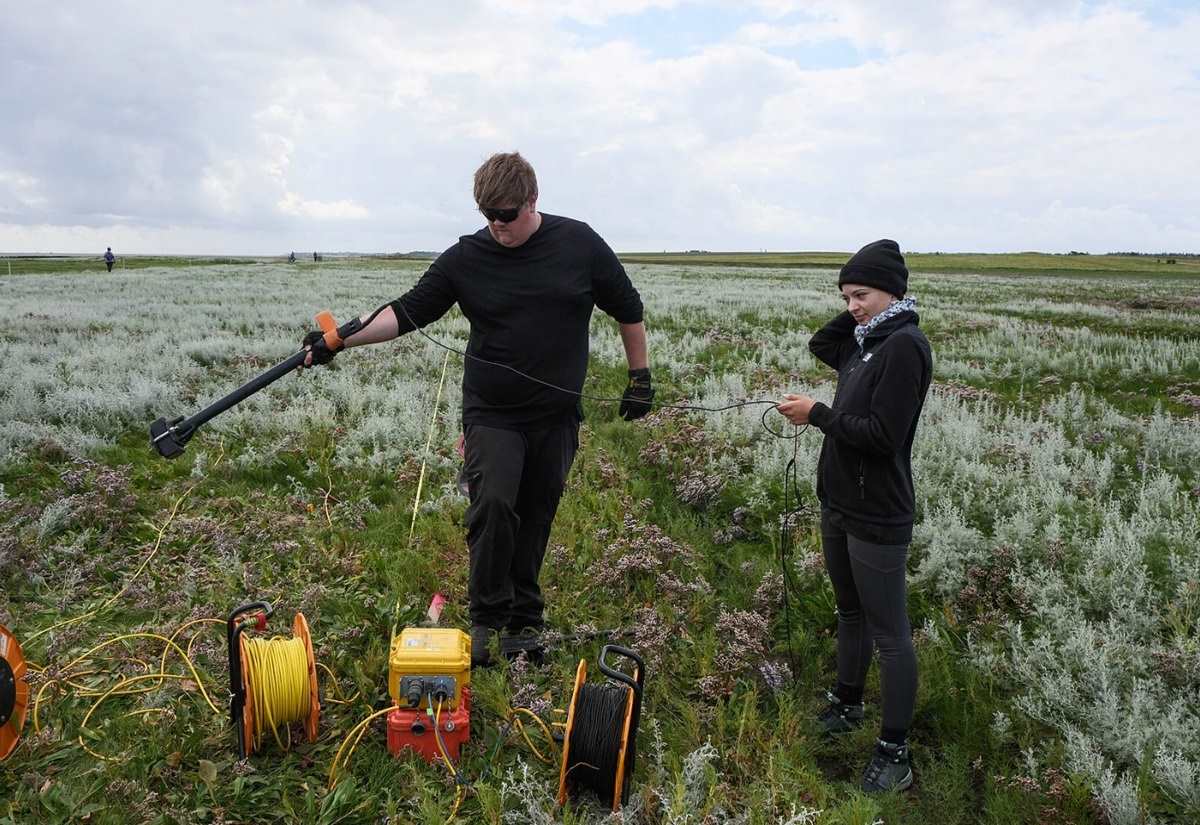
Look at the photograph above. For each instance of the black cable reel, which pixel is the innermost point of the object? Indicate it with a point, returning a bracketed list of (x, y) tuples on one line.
[(600, 743)]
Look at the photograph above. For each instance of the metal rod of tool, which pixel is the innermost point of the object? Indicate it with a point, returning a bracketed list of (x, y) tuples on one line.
[(170, 437)]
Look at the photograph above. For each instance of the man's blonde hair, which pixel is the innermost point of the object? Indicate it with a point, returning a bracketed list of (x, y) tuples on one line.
[(505, 178)]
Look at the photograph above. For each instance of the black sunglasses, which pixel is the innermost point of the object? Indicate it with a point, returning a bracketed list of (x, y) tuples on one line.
[(503, 215)]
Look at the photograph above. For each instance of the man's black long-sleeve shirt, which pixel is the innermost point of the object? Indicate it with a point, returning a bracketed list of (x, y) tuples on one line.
[(529, 309)]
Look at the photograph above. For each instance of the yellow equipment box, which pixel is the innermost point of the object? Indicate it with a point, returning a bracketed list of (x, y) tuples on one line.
[(429, 661)]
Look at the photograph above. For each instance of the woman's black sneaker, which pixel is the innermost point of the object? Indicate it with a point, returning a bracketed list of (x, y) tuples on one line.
[(838, 717), (889, 769)]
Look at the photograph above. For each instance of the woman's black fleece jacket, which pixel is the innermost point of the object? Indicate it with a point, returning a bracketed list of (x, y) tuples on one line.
[(864, 476)]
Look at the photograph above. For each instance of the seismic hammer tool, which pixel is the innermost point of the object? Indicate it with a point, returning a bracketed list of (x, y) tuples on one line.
[(170, 437)]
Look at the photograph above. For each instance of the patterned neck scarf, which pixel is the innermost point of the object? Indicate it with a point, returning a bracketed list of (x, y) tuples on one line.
[(894, 309)]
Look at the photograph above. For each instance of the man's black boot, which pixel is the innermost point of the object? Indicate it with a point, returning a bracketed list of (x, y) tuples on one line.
[(527, 640), (481, 640), (890, 769)]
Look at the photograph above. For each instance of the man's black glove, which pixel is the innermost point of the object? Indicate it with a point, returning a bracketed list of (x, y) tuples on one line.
[(321, 353), (638, 395)]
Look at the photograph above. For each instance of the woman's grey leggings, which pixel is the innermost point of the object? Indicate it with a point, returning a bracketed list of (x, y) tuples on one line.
[(868, 584)]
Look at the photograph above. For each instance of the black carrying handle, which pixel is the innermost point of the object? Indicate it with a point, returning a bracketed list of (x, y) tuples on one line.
[(635, 683), (637, 680), (237, 696)]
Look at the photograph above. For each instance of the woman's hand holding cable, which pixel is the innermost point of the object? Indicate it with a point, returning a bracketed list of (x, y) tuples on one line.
[(795, 408)]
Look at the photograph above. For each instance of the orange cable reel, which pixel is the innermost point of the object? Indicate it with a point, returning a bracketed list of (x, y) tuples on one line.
[(600, 740), (261, 670), (14, 692)]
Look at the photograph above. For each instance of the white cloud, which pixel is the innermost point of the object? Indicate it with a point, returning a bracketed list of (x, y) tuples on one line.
[(358, 127), (19, 192), (293, 204), (591, 12)]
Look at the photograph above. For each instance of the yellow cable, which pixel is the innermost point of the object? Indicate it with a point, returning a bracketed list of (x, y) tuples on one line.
[(459, 794), (437, 737), (458, 800), (277, 673), (412, 525), (109, 692), (162, 665), (358, 729), (545, 730), (328, 493), (144, 711), (341, 700), (150, 556), (129, 582), (37, 700), (277, 678), (64, 675), (170, 644), (428, 446)]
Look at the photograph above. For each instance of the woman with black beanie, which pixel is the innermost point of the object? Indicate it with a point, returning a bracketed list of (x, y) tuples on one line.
[(864, 483)]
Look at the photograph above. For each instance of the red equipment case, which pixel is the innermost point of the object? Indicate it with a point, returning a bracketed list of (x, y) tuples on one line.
[(413, 728)]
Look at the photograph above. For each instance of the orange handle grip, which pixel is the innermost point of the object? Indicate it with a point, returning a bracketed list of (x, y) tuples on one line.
[(325, 321)]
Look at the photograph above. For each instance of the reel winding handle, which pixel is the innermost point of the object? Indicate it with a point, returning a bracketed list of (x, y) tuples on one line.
[(253, 614)]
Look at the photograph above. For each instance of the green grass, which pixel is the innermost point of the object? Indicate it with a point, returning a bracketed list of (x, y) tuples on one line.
[(931, 262), (256, 527), (35, 264), (958, 262), (244, 534)]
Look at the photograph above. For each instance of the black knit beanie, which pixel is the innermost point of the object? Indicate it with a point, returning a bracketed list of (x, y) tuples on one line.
[(878, 264)]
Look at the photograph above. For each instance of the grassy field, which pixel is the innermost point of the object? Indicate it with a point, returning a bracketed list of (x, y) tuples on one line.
[(1054, 574), (1034, 263), (41, 264)]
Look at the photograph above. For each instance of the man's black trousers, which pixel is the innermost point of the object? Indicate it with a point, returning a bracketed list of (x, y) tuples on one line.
[(516, 479)]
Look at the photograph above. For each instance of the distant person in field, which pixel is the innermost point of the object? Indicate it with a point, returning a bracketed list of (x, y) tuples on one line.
[(864, 483), (291, 257), (109, 259), (528, 283)]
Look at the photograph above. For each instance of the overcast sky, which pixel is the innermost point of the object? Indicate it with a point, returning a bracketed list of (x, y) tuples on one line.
[(260, 128)]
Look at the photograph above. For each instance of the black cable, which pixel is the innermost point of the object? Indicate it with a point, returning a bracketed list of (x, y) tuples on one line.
[(459, 779), (785, 548), (789, 473), (595, 745), (583, 395)]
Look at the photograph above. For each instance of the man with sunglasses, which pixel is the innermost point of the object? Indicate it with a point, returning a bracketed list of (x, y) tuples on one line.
[(528, 283)]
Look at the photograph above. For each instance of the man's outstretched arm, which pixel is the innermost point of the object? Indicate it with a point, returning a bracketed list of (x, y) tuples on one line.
[(429, 300), (383, 327)]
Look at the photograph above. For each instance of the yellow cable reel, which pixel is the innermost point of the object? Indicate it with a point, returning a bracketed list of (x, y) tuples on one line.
[(273, 682)]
